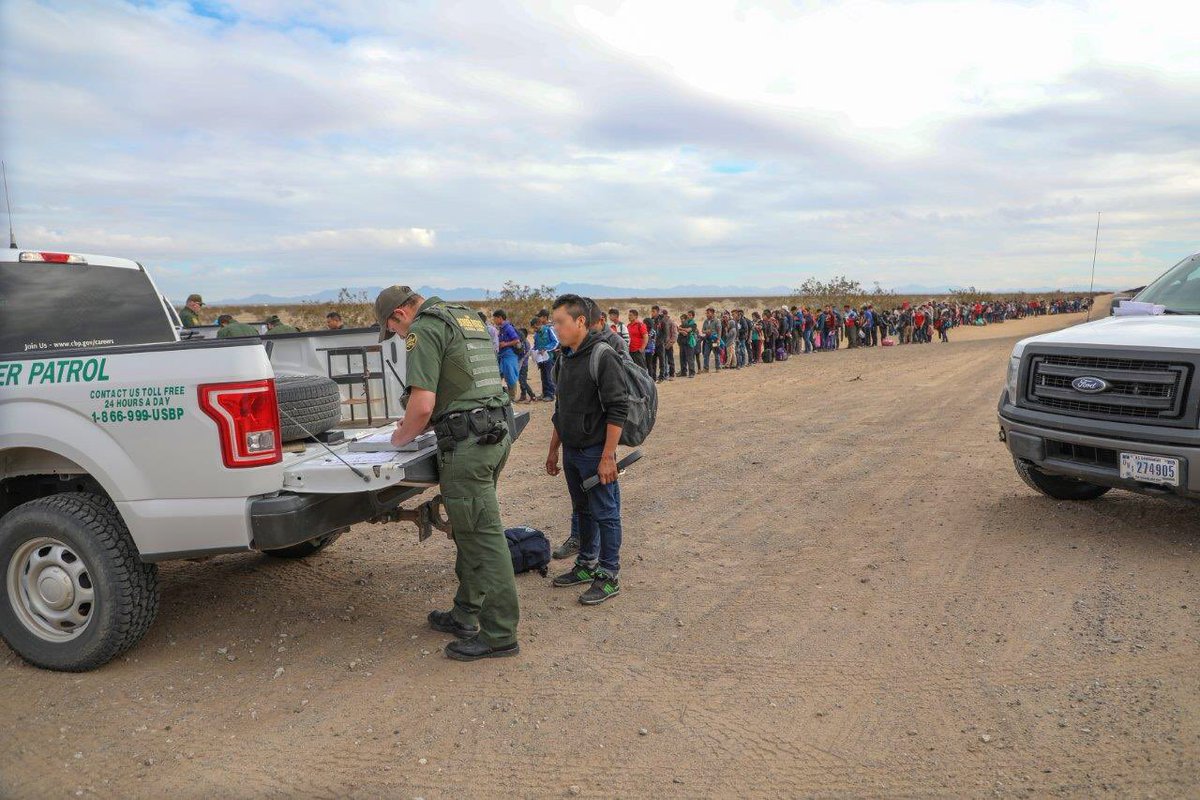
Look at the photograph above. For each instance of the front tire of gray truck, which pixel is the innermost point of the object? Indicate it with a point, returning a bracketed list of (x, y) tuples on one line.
[(1057, 486), (77, 595)]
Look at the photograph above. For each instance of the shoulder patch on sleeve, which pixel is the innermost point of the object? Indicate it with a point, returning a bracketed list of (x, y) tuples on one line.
[(410, 342)]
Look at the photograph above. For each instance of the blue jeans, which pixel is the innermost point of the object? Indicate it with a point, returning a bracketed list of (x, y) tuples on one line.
[(546, 368), (709, 348), (510, 367), (687, 360), (808, 341), (598, 511), (741, 353), (523, 377)]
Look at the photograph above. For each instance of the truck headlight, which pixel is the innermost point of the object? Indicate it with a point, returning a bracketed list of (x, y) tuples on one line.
[(1010, 383)]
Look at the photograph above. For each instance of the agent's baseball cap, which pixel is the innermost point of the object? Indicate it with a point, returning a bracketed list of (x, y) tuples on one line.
[(195, 298), (388, 301)]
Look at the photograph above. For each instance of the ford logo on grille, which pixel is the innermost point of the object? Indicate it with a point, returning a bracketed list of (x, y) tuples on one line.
[(1090, 385)]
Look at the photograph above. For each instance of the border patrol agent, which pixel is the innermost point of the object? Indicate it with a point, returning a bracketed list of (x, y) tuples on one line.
[(454, 383), (231, 328), (189, 315), (275, 326)]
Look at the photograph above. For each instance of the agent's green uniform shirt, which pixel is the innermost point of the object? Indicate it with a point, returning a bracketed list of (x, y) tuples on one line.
[(449, 352), (279, 329), (235, 329), (189, 318)]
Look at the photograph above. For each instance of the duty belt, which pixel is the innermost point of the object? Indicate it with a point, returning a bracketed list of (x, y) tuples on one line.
[(485, 425)]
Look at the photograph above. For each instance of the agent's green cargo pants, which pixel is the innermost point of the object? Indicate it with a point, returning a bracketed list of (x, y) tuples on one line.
[(487, 590)]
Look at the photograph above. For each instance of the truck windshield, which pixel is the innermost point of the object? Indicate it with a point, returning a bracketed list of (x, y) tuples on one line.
[(50, 307), (1178, 289)]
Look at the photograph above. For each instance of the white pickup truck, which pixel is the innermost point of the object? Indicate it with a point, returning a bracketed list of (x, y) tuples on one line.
[(121, 446), (1113, 403)]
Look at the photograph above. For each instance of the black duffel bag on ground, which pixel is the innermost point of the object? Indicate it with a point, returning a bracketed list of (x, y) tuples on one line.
[(529, 548)]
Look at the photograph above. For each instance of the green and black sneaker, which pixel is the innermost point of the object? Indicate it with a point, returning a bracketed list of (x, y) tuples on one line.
[(576, 575), (604, 587)]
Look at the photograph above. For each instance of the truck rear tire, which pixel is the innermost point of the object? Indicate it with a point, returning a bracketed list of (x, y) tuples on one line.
[(305, 549), (1057, 486), (76, 593), (309, 405)]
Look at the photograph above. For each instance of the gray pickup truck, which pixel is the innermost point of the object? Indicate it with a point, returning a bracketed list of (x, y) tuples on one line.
[(1113, 403), (122, 446)]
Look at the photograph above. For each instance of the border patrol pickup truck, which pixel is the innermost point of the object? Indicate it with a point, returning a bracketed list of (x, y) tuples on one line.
[(122, 446), (1113, 403)]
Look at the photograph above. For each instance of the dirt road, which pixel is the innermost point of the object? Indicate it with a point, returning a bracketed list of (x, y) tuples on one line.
[(832, 587)]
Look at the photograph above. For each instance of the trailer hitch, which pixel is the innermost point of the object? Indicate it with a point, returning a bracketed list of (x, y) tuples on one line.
[(427, 516)]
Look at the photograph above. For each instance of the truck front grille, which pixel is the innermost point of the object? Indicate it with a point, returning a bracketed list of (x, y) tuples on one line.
[(1138, 390)]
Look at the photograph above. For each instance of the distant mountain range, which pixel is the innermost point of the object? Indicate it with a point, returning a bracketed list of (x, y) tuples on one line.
[(598, 291)]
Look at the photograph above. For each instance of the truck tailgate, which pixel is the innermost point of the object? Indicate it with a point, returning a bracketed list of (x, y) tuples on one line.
[(339, 471)]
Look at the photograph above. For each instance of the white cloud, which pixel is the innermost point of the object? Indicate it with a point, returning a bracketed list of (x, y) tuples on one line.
[(885, 70), (106, 242), (504, 248), (375, 239), (708, 230)]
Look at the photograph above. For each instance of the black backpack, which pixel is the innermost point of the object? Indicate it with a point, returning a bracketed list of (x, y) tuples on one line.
[(643, 394), (529, 548)]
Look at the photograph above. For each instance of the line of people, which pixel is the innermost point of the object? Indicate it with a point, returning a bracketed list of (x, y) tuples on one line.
[(669, 347)]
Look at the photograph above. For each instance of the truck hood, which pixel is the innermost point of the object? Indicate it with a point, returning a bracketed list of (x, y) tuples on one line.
[(1166, 332)]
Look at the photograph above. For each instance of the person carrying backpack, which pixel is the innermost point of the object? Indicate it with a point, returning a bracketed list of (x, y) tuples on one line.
[(850, 321), (808, 330), (545, 348), (511, 348), (589, 418), (742, 344)]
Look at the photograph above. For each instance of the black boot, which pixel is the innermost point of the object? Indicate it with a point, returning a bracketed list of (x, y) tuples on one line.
[(445, 622), (473, 650)]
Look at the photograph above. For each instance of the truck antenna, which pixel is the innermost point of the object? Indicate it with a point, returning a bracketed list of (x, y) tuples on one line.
[(1092, 288), (12, 240)]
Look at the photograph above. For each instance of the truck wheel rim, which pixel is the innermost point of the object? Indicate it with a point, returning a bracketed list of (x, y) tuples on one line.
[(50, 589)]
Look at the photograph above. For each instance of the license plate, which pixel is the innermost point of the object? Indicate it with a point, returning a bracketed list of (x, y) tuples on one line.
[(1150, 469)]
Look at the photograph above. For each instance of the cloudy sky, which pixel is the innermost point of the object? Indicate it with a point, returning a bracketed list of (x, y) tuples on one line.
[(288, 146)]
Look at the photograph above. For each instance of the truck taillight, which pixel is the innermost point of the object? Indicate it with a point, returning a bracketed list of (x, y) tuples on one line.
[(52, 258), (247, 418)]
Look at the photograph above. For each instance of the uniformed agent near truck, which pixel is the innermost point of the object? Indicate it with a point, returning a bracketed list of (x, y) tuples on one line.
[(189, 315), (454, 384)]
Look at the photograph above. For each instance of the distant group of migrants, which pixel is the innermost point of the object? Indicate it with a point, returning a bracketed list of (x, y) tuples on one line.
[(668, 347)]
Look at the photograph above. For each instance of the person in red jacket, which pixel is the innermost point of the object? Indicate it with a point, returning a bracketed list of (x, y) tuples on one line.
[(638, 335)]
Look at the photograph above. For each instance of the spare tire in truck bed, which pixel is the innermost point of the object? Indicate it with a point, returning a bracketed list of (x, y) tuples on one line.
[(308, 405)]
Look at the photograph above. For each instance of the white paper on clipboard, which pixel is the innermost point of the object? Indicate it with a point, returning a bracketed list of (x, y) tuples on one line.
[(369, 459), (381, 442)]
